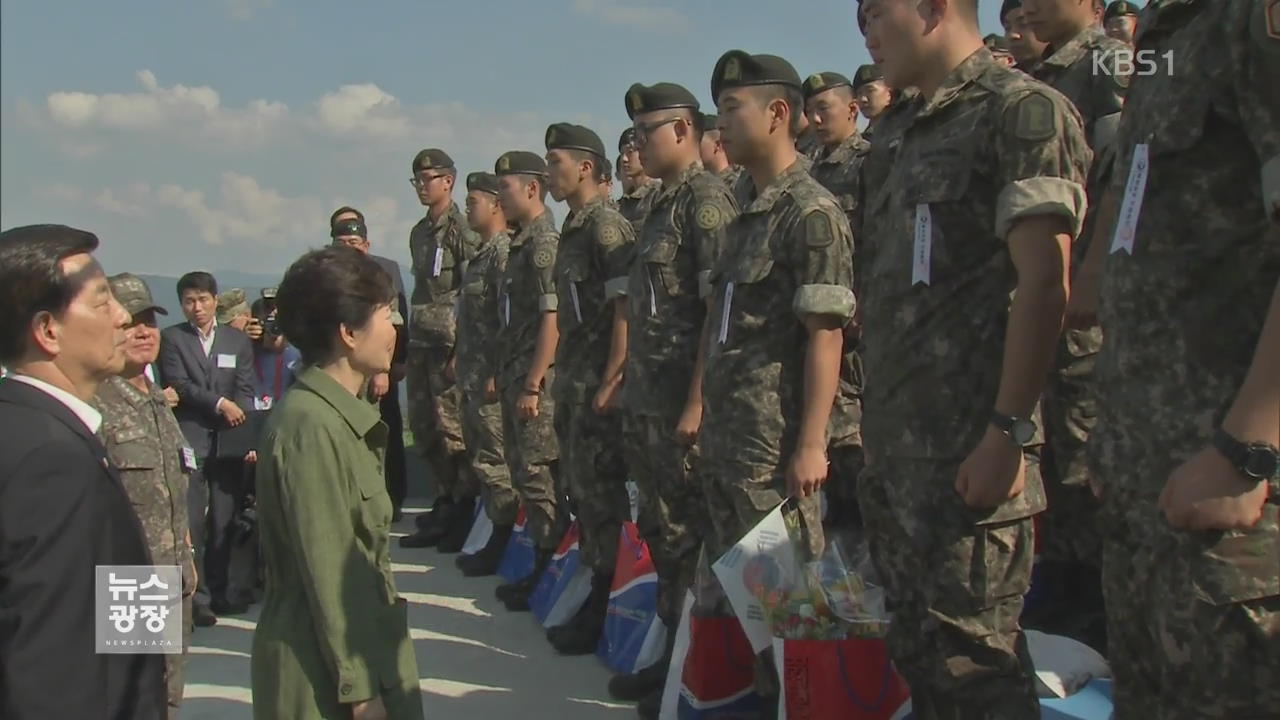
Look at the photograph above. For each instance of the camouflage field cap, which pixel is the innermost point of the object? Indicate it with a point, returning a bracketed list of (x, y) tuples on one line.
[(232, 304), (133, 294)]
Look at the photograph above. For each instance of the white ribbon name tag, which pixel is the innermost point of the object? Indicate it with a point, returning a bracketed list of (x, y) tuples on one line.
[(653, 297), (506, 309), (724, 314), (923, 246), (577, 306), (1131, 207), (435, 266)]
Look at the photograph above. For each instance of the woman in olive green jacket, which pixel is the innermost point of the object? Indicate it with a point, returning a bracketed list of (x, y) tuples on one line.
[(333, 639)]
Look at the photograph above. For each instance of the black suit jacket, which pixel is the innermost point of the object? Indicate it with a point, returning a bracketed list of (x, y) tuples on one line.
[(63, 511), (199, 381), (402, 305)]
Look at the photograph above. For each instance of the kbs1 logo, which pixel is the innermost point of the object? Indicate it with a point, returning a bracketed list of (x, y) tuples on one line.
[(1127, 63)]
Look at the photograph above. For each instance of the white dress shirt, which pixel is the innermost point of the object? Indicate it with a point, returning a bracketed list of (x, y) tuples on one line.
[(206, 341), (91, 418)]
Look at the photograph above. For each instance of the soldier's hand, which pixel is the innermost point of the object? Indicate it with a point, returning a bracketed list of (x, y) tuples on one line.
[(379, 385), (171, 397), (807, 471), (369, 710), (451, 368), (993, 473), (606, 398), (527, 406), (689, 423), (491, 390), (1082, 305), (1207, 493), (233, 413)]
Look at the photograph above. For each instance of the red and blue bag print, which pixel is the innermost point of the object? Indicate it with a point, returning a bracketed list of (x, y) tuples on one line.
[(518, 558), (633, 637), (718, 676), (564, 585)]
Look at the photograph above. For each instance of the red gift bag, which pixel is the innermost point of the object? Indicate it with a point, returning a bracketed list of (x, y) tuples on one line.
[(850, 679), (718, 678)]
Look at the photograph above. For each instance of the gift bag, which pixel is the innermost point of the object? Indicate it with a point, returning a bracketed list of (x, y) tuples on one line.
[(850, 679), (518, 558), (754, 570), (633, 636), (564, 585), (481, 531)]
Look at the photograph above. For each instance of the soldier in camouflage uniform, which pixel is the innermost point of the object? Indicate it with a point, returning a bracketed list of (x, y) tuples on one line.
[(144, 441), (526, 302), (667, 288), (713, 156), (872, 94), (1190, 299), (1119, 20), (1070, 549), (596, 245), (833, 112), (441, 245), (1027, 50), (637, 187), (973, 188), (477, 347)]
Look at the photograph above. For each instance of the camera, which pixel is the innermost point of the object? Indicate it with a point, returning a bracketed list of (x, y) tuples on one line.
[(271, 325)]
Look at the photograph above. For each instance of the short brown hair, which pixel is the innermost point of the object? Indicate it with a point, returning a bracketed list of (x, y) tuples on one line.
[(326, 289)]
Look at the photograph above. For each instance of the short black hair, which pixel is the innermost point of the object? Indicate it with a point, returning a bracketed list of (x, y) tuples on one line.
[(606, 170), (325, 289), (32, 280), (200, 281), (597, 163), (342, 211), (792, 96)]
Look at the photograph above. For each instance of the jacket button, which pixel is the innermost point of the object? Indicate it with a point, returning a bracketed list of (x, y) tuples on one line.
[(346, 688)]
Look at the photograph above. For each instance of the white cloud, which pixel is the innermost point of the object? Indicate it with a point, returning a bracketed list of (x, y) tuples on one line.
[(362, 110), (245, 9), (634, 15)]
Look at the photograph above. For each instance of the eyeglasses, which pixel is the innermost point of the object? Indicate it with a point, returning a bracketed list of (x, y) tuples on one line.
[(644, 130), (421, 182)]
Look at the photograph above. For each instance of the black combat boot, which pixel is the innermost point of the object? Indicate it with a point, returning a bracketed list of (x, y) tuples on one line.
[(464, 515), (486, 561), (581, 636), (518, 599), (650, 705), (437, 527), (424, 521), (638, 685)]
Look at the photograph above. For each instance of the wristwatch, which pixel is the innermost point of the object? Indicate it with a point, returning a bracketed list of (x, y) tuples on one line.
[(1018, 430), (1257, 461)]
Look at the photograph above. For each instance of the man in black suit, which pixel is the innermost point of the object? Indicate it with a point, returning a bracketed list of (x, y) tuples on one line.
[(63, 508), (210, 366)]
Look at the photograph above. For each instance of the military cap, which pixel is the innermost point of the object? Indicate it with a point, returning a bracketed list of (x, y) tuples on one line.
[(736, 68), (628, 137), (866, 74), (352, 226), (520, 162), (133, 294), (660, 96), (1009, 5), (824, 81), (709, 121), (996, 43), (563, 136), (1120, 8), (432, 159), (483, 181), (232, 304)]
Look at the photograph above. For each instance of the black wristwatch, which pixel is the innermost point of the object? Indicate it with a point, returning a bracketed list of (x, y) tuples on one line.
[(1018, 430), (1257, 461)]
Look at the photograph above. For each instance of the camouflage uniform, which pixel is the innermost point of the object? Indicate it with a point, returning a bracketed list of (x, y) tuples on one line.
[(591, 268), (667, 287), (838, 170), (478, 325), (1194, 617), (635, 205), (790, 256), (441, 250), (523, 292), (144, 441), (729, 176), (991, 146)]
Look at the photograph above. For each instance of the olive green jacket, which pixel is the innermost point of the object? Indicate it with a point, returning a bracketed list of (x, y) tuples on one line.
[(333, 629)]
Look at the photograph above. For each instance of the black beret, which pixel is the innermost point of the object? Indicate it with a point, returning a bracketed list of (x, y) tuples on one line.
[(866, 74), (520, 162), (482, 181), (628, 137), (563, 136), (1120, 8), (432, 159), (662, 96), (353, 226), (738, 69), (996, 43), (824, 81), (709, 121), (862, 20), (1008, 5)]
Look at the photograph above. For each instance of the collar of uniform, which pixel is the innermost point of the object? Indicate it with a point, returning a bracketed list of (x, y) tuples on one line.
[(668, 190), (765, 201), (957, 80), (361, 416), (850, 147), (542, 221), (649, 186), (583, 214), (445, 218), (1073, 50), (130, 392), (1164, 14)]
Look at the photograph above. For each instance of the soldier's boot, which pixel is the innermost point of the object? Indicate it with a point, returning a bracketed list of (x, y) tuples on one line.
[(441, 519), (650, 706), (518, 599), (464, 515), (581, 636), (424, 521), (638, 685), (486, 561)]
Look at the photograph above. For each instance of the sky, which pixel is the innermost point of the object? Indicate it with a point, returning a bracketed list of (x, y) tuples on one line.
[(220, 134)]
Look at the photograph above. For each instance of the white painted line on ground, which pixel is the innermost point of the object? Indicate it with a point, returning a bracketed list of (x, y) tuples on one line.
[(431, 636)]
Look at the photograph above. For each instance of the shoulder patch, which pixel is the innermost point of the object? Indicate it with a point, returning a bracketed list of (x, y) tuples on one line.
[(1033, 118), (543, 258), (709, 216), (818, 232), (610, 235)]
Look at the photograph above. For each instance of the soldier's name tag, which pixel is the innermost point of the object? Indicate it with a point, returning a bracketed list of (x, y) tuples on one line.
[(506, 309), (577, 306), (226, 362), (188, 459), (437, 263), (1131, 206), (724, 312), (653, 298), (922, 249)]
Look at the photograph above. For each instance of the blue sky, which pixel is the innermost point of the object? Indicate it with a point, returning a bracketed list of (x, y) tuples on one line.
[(219, 134)]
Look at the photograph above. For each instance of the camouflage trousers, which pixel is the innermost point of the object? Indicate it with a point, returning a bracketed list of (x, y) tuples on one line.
[(533, 458), (482, 430), (595, 478), (1193, 618), (1069, 411), (738, 496), (956, 590), (671, 507), (435, 419)]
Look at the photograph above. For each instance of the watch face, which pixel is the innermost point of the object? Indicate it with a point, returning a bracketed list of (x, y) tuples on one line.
[(1261, 463), (1023, 431)]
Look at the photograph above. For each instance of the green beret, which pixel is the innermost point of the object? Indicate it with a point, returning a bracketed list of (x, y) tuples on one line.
[(432, 159), (628, 137), (709, 121), (482, 181), (867, 74), (824, 81), (1009, 5), (563, 136), (996, 43), (520, 162), (662, 96), (739, 69), (1120, 8)]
